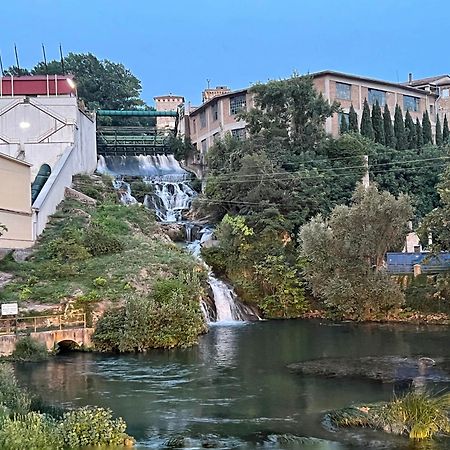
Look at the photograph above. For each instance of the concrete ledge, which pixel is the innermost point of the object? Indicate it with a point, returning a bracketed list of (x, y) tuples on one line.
[(77, 195)]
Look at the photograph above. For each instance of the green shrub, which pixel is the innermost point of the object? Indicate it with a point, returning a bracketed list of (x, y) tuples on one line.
[(92, 426), (109, 330), (100, 242), (67, 247), (27, 349), (139, 190), (11, 396), (31, 431)]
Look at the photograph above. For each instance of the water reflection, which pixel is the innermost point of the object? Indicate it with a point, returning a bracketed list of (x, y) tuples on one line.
[(234, 386)]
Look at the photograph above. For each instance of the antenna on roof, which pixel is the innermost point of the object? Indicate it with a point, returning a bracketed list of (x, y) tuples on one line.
[(17, 59), (1, 65), (207, 82), (45, 59), (62, 59)]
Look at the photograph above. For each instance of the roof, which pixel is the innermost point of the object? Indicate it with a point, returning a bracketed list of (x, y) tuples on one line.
[(369, 80), (212, 100), (18, 161), (36, 77), (429, 80), (168, 96)]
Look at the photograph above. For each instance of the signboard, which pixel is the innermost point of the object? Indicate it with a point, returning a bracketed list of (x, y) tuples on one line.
[(10, 309)]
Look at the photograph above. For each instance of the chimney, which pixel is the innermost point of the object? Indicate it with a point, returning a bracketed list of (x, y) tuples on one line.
[(410, 77)]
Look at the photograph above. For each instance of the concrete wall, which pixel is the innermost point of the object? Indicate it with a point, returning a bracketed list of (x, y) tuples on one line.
[(15, 203)]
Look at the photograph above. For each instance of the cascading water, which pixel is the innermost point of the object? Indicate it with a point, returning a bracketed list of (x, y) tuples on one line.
[(170, 195)]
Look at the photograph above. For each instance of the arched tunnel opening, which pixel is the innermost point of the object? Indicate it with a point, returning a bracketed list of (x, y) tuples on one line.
[(67, 346)]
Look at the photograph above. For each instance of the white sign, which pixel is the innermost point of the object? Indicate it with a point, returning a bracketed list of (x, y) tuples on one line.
[(10, 309)]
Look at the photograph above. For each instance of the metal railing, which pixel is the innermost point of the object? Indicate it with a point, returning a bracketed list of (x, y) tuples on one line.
[(18, 325)]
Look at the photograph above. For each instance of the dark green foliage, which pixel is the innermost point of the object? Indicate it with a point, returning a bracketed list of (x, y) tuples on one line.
[(410, 130), (343, 125), (99, 242), (28, 349), (182, 149), (139, 189), (426, 129), (366, 122), (439, 136), (445, 131), (353, 120), (399, 130), (13, 399), (419, 134), (388, 130), (378, 125), (344, 256)]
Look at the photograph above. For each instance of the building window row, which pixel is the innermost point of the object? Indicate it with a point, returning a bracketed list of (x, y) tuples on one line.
[(239, 134), (376, 95), (215, 111), (411, 103), (202, 119), (237, 103), (343, 91)]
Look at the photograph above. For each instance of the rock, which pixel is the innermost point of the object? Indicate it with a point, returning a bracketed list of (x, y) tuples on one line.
[(385, 369), (5, 278), (4, 252), (175, 231), (22, 254)]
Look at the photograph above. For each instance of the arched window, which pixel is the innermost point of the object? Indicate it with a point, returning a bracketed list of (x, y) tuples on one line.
[(39, 181)]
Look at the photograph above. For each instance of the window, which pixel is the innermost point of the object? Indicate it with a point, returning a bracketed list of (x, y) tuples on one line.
[(445, 92), (377, 96), (239, 134), (431, 109), (194, 126), (346, 118), (215, 111), (237, 103), (411, 103), (216, 137), (202, 119), (343, 91), (203, 144)]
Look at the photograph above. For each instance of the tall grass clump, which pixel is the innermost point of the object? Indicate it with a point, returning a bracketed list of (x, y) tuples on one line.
[(28, 349)]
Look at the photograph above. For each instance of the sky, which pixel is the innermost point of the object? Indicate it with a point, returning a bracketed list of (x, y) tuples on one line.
[(176, 46)]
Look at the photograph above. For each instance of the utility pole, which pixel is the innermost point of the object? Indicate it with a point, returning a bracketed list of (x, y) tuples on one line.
[(365, 179)]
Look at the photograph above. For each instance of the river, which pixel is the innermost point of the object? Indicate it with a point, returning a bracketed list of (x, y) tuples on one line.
[(234, 388)]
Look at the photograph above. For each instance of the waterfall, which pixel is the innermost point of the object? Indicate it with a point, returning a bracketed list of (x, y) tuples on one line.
[(169, 195)]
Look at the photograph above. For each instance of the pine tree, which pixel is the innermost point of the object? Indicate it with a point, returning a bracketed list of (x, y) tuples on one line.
[(410, 130), (343, 125), (388, 130), (426, 129), (419, 134), (445, 131), (439, 137), (377, 124), (366, 122), (353, 120), (399, 129)]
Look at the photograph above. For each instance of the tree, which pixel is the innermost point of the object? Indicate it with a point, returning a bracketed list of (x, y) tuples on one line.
[(366, 122), (353, 120), (419, 134), (426, 129), (389, 137), (343, 126), (344, 255), (445, 131), (410, 131), (100, 83), (378, 125), (439, 137), (290, 111), (399, 129)]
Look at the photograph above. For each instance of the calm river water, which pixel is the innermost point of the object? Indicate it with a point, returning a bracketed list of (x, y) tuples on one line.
[(233, 389)]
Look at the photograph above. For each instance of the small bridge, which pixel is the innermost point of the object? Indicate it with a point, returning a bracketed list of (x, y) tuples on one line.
[(53, 331), (134, 140)]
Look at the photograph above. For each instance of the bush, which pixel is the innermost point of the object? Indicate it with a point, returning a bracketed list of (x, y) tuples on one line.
[(92, 426), (31, 431), (100, 242), (27, 349), (11, 396)]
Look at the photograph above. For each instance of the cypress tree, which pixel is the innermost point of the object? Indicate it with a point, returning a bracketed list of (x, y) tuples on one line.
[(410, 130), (366, 122), (377, 124), (445, 131), (426, 129), (399, 129), (419, 134), (343, 126), (439, 137), (353, 120), (389, 137)]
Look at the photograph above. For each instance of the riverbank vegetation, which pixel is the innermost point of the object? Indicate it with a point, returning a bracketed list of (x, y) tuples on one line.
[(25, 423), (418, 415), (93, 258), (288, 174)]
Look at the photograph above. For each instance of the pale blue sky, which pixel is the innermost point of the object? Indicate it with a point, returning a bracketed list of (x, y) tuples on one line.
[(174, 46)]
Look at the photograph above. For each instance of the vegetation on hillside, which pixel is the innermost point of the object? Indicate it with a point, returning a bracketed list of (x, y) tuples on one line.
[(90, 257)]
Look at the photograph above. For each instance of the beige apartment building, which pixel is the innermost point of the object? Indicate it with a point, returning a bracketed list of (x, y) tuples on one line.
[(218, 113)]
